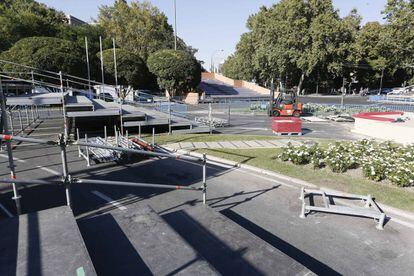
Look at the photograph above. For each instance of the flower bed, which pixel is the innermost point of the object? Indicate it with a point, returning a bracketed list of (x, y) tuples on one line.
[(325, 110), (378, 161)]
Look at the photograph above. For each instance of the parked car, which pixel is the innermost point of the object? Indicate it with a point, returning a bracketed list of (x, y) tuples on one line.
[(402, 90), (385, 91), (143, 96)]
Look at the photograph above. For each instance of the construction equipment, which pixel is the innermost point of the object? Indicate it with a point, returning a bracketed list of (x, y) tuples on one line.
[(285, 104)]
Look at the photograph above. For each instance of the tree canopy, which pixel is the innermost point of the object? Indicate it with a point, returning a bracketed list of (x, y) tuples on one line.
[(138, 27), (26, 18), (131, 69), (48, 53), (307, 43), (176, 71)]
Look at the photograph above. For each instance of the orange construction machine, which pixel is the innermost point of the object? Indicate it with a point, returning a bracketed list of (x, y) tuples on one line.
[(286, 104)]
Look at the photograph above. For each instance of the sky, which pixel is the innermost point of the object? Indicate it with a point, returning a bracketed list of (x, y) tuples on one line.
[(212, 26)]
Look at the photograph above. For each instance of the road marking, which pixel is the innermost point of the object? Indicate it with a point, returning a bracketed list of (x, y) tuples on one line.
[(109, 200), (269, 179), (14, 158), (8, 213), (252, 128), (49, 170)]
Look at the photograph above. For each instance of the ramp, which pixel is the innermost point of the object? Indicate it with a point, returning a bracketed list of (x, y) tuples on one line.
[(138, 242), (43, 243), (228, 247)]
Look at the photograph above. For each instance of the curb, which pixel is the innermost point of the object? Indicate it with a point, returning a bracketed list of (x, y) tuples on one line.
[(298, 182)]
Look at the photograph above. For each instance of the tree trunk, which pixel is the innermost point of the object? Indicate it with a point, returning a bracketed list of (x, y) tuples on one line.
[(302, 78)]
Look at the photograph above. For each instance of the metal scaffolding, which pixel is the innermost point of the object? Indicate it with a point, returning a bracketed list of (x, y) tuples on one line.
[(67, 180), (375, 212)]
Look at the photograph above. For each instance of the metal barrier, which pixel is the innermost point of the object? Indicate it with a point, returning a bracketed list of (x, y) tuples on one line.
[(67, 180), (375, 213)]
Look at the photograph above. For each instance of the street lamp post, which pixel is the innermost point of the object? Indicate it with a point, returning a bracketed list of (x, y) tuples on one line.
[(87, 64), (212, 69), (175, 25)]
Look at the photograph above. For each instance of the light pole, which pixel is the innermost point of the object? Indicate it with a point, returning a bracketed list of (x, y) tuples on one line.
[(102, 61), (175, 25), (382, 77), (87, 64), (212, 59)]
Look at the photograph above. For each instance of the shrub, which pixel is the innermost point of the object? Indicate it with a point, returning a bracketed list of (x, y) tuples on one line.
[(379, 161)]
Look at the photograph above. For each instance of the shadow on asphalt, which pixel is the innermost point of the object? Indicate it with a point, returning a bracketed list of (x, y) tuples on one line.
[(217, 253), (9, 240), (213, 202), (306, 260), (116, 256)]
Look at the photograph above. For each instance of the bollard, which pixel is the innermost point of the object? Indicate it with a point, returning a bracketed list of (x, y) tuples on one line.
[(153, 136), (204, 179), (88, 164)]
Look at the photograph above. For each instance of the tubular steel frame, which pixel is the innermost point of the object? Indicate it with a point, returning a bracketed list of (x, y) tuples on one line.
[(375, 213), (67, 180)]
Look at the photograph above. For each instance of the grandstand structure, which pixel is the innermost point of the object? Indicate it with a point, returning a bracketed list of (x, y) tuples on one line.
[(85, 107), (217, 88)]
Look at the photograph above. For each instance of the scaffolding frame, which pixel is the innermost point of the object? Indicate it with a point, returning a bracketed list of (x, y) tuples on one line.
[(375, 212), (67, 180)]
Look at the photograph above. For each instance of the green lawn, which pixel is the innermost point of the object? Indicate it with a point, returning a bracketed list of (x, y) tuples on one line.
[(265, 158)]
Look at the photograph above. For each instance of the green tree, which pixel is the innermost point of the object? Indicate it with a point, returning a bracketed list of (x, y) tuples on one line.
[(240, 66), (399, 15), (77, 35), (373, 53), (48, 53), (177, 71), (131, 69), (27, 18), (302, 41), (139, 27)]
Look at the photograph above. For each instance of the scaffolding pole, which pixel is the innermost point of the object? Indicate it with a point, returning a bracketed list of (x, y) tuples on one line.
[(204, 178), (16, 196), (93, 145), (65, 123), (65, 171), (102, 182)]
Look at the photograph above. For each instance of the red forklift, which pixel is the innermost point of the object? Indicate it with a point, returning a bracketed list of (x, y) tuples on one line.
[(286, 104)]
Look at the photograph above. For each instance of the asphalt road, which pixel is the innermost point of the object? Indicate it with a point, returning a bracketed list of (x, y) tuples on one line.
[(267, 208), (260, 124)]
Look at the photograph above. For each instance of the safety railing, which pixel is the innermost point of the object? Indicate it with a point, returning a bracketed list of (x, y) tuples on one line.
[(67, 180)]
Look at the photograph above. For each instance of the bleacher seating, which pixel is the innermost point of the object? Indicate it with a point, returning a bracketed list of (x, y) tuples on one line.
[(213, 88)]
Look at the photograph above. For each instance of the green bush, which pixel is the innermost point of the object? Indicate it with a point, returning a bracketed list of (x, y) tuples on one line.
[(378, 161)]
